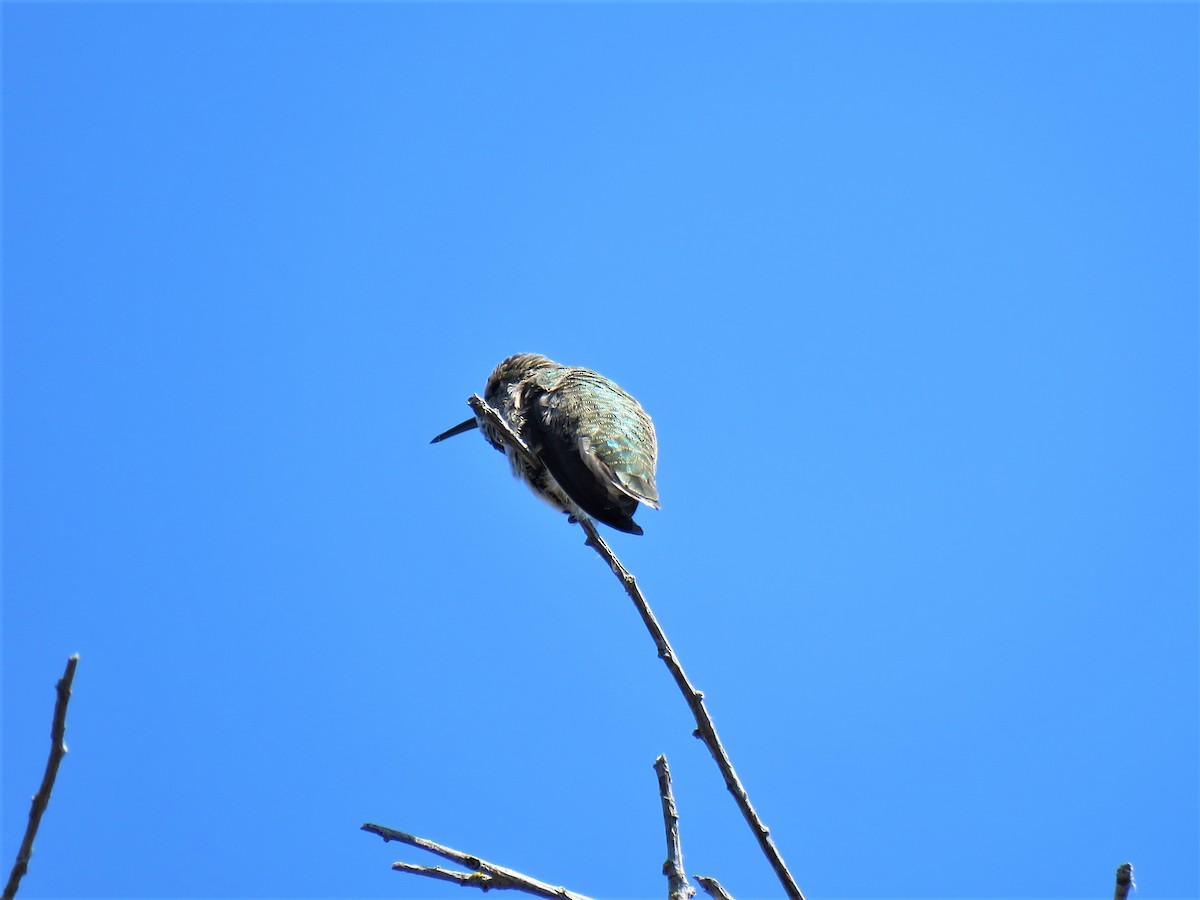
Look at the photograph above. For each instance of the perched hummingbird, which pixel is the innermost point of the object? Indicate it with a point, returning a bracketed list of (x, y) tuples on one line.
[(594, 444)]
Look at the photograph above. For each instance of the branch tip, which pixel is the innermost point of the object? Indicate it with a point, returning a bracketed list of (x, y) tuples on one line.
[(41, 799), (1124, 881)]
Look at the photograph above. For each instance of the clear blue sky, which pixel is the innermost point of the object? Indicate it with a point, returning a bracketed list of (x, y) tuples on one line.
[(909, 290)]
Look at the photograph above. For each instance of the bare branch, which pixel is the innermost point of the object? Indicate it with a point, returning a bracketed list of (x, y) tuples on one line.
[(1124, 881), (705, 728), (58, 749), (678, 887), (713, 888), (480, 407), (462, 879), (484, 875)]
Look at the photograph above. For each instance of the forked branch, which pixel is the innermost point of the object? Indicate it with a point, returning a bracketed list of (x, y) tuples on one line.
[(484, 875)]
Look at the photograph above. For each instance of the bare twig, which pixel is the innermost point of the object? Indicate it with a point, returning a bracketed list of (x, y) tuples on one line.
[(713, 888), (58, 749), (1124, 881), (678, 887), (480, 407), (705, 729), (484, 875)]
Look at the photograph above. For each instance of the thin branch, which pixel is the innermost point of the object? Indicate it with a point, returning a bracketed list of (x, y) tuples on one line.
[(58, 749), (1124, 881), (480, 407), (484, 875), (678, 887), (462, 879), (713, 888), (706, 730)]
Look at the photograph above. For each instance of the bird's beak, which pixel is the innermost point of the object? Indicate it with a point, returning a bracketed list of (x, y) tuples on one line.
[(457, 429)]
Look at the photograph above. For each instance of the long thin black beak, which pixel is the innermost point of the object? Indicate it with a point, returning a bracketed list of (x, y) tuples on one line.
[(457, 429)]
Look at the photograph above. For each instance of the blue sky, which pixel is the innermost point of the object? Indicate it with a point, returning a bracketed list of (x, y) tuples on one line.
[(910, 291)]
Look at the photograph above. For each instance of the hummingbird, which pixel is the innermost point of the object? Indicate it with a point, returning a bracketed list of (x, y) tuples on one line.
[(594, 444)]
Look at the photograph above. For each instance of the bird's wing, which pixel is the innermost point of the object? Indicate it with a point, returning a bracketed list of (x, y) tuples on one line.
[(612, 447)]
